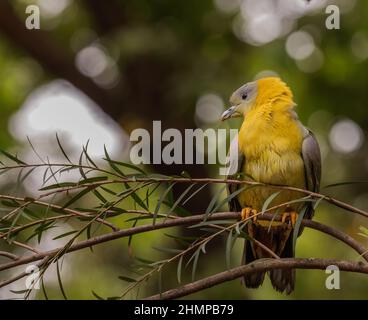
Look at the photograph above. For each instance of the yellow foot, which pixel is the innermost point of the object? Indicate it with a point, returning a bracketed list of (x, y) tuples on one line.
[(292, 216), (248, 213)]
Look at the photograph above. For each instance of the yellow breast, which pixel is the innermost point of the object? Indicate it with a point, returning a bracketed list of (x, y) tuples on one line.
[(271, 143)]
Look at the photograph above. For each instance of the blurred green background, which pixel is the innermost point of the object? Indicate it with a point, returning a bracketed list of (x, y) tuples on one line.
[(99, 69)]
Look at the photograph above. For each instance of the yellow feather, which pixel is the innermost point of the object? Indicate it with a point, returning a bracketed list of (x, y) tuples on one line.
[(271, 140)]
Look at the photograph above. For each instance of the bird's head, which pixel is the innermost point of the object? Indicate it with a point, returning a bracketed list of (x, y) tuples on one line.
[(254, 94)]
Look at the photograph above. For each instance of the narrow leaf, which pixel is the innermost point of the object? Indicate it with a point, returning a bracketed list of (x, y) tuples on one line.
[(178, 269), (269, 200), (62, 149), (127, 279)]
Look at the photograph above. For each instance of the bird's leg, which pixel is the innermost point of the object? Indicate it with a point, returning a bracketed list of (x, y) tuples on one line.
[(248, 213), (292, 216)]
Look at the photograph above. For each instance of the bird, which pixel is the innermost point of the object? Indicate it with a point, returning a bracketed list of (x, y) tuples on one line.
[(272, 147)]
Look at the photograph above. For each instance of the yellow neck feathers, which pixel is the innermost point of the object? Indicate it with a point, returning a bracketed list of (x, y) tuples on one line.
[(271, 119), (273, 91)]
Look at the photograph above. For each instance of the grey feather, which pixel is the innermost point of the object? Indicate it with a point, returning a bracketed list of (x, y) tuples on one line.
[(311, 155)]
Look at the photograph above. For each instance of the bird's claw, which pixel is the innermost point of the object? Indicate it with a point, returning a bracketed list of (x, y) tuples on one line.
[(291, 216), (249, 213)]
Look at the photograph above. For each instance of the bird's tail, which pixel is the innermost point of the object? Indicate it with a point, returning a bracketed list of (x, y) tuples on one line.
[(281, 243), (283, 280), (254, 279)]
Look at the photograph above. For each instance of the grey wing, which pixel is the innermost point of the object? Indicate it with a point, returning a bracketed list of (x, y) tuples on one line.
[(235, 162), (312, 167)]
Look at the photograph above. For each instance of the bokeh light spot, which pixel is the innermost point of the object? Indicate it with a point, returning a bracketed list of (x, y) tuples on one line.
[(209, 108), (299, 45), (346, 136), (359, 46)]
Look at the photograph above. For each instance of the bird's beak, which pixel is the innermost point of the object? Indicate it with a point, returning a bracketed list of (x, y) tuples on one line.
[(232, 112)]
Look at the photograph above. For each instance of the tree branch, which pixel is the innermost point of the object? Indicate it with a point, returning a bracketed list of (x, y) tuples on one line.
[(9, 255), (259, 266), (180, 222)]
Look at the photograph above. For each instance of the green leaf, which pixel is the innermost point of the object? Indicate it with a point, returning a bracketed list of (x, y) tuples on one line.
[(40, 229), (107, 190), (59, 185), (11, 157), (21, 180), (92, 180), (297, 226), (127, 165), (364, 231), (213, 201), (127, 279), (136, 198), (10, 203), (181, 197), (230, 197), (65, 234), (194, 193), (140, 218), (185, 174), (142, 260), (269, 200), (19, 291), (203, 247), (112, 164), (195, 262), (167, 250), (80, 163), (62, 149), (160, 282), (159, 202), (180, 211), (77, 197), (229, 246), (316, 204), (181, 239), (99, 196), (34, 150), (344, 184), (117, 211), (131, 238), (97, 296), (206, 223), (178, 269), (44, 288), (89, 159), (59, 281)]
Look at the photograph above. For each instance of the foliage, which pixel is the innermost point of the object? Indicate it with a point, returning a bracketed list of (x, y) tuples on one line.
[(109, 188)]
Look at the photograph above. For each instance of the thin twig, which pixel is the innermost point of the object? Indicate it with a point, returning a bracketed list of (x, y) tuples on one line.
[(9, 255), (25, 246)]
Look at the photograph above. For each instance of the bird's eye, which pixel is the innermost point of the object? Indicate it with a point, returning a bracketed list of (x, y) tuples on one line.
[(244, 96)]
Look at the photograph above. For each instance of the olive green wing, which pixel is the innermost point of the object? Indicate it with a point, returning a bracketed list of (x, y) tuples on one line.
[(311, 155)]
